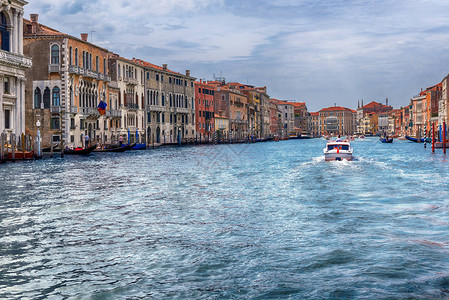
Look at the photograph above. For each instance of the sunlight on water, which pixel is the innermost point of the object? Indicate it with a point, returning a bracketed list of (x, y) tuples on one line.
[(266, 220)]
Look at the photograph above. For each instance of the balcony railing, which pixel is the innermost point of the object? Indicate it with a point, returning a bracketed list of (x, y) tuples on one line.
[(132, 106), (89, 73), (54, 68), (16, 60), (181, 110), (73, 109), (89, 112), (114, 113), (149, 108), (55, 109), (131, 80)]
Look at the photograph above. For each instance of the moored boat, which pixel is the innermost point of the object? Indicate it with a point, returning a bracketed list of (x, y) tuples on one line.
[(20, 155), (338, 150), (114, 148), (413, 139), (80, 151)]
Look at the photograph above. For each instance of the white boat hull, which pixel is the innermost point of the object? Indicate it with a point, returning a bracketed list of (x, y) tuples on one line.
[(337, 156)]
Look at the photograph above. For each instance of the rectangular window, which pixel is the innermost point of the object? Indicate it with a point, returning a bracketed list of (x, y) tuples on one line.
[(162, 77), (149, 117), (56, 138), (72, 139), (7, 119), (81, 124), (6, 87), (169, 79), (72, 123), (55, 123)]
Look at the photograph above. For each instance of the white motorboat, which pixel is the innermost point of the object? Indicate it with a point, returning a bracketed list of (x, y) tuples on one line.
[(338, 150)]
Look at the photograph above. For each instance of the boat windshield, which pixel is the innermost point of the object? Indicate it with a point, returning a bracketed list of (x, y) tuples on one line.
[(341, 147)]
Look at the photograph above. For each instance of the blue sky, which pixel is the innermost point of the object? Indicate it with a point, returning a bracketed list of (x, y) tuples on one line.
[(317, 51)]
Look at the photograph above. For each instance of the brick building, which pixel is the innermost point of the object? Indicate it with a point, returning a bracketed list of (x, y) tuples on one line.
[(204, 110), (68, 79)]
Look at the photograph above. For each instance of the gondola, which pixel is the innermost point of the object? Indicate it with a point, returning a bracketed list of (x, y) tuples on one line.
[(80, 151), (386, 140), (413, 139), (115, 148)]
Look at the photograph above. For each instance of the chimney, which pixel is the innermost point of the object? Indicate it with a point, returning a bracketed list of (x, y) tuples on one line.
[(34, 19), (164, 66), (84, 36), (188, 73)]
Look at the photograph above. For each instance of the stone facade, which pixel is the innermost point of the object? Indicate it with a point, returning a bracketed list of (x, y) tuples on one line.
[(169, 104), (13, 65)]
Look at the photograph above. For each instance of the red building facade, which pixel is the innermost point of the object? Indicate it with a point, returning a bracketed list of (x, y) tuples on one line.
[(204, 110)]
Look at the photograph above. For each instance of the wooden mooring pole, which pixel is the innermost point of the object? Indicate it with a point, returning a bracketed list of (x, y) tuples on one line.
[(2, 146), (433, 137), (444, 137)]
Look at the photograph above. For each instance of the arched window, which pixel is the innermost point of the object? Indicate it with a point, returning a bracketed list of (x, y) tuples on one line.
[(37, 98), (55, 97), (70, 55), (104, 66), (47, 98), (84, 59), (4, 33), (55, 54), (171, 100), (163, 99)]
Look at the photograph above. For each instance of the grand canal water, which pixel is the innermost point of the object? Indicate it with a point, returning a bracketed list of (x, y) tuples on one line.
[(263, 221)]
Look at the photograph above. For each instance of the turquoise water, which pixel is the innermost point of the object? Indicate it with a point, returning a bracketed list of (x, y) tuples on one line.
[(262, 221)]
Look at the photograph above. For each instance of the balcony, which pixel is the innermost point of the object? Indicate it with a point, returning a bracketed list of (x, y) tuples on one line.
[(149, 108), (132, 106), (54, 68), (73, 109), (181, 110), (55, 109), (131, 81), (89, 73), (89, 112), (114, 113), (15, 60)]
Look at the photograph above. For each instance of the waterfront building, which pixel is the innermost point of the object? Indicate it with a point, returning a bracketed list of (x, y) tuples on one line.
[(169, 104), (337, 120), (394, 122), (314, 124), (221, 127), (275, 120), (254, 115), (379, 110), (204, 110), (443, 101), (301, 117), (287, 117), (264, 111), (127, 109), (417, 112), (13, 65), (68, 80)]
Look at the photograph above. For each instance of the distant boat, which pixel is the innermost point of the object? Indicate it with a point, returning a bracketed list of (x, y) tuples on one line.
[(362, 137), (386, 140), (80, 151)]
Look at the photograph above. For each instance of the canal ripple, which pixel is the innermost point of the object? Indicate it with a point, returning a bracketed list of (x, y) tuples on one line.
[(267, 220)]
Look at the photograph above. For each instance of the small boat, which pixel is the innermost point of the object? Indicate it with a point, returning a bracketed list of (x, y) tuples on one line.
[(338, 150), (114, 148), (139, 146), (386, 139), (413, 139), (20, 155), (80, 151), (362, 137)]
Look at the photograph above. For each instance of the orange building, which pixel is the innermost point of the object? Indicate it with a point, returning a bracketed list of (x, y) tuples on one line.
[(337, 120), (204, 110), (68, 80)]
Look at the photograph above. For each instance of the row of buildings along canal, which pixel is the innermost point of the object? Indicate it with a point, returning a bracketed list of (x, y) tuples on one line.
[(57, 81)]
